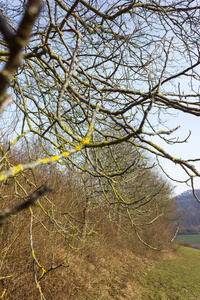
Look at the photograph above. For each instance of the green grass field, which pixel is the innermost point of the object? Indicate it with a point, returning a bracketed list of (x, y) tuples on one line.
[(175, 278), (189, 238)]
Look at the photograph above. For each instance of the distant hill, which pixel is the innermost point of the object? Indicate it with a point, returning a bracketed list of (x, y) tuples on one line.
[(190, 207)]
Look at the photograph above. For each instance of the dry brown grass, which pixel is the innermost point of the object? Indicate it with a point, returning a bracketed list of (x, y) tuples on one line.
[(107, 271), (109, 266)]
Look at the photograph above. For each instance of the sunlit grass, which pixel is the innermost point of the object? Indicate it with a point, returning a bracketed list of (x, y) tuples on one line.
[(176, 278)]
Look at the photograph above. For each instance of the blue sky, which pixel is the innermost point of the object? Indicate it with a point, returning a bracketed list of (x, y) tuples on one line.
[(189, 149)]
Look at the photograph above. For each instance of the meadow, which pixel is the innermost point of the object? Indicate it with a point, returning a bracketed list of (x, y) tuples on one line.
[(174, 278), (189, 238)]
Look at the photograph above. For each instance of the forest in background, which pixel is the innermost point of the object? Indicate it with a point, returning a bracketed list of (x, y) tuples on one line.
[(190, 208)]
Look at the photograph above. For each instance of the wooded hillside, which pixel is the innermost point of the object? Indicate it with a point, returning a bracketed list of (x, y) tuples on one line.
[(190, 208)]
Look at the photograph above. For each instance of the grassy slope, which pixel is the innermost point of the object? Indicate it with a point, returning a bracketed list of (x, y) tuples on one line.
[(176, 278), (123, 275), (107, 272)]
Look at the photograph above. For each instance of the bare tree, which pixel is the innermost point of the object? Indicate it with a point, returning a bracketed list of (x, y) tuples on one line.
[(95, 75), (91, 67)]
